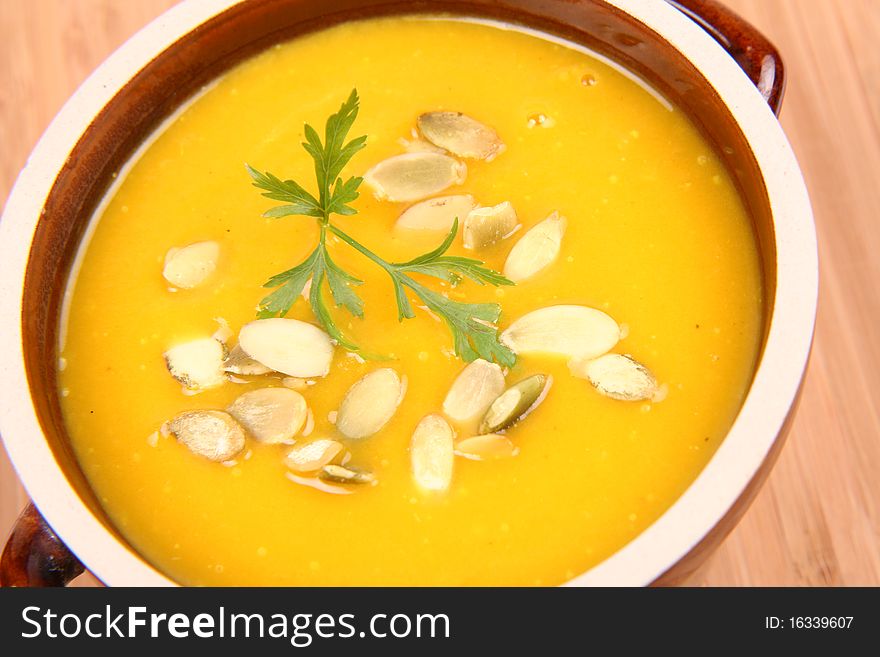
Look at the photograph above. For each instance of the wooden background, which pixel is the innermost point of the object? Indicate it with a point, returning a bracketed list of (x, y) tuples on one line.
[(817, 521)]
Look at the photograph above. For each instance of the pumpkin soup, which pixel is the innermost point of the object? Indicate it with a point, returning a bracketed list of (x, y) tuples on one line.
[(498, 337)]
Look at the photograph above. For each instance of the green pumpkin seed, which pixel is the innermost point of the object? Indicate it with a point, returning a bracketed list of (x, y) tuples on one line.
[(342, 475), (515, 403)]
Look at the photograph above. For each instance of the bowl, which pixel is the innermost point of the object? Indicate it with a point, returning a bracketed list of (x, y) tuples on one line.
[(713, 65)]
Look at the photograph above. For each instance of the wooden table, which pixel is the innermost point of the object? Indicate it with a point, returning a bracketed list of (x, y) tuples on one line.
[(817, 521)]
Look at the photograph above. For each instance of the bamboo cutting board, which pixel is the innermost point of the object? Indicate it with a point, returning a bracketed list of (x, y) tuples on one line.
[(817, 521)]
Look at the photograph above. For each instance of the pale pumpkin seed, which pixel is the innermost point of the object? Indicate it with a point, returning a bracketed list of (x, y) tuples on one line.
[(238, 362), (431, 453), (473, 390), (414, 176), (214, 435), (535, 250), (460, 134), (346, 475), (271, 415), (573, 331), (436, 213), (515, 403), (189, 266), (295, 383), (370, 403), (617, 376), (198, 364), (484, 227), (487, 447), (288, 346), (314, 455)]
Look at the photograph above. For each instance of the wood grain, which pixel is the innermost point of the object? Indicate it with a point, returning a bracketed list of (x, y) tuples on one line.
[(817, 521)]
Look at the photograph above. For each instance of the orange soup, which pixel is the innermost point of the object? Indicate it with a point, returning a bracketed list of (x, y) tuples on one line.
[(516, 442)]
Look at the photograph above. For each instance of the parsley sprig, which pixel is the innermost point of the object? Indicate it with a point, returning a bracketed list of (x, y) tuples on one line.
[(472, 324)]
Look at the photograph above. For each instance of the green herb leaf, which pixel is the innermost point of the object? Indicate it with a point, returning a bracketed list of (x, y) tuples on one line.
[(301, 202), (472, 324), (332, 156), (452, 268), (343, 194), (341, 284), (338, 126), (303, 269), (319, 307), (292, 283)]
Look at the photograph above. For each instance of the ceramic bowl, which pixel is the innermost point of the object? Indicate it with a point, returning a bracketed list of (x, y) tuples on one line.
[(710, 63)]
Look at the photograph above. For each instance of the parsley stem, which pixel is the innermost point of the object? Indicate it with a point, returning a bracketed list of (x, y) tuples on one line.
[(359, 247), (472, 324)]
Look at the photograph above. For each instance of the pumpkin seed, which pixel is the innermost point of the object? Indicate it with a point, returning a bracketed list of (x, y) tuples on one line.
[(370, 403), (313, 455), (515, 403), (573, 331), (317, 484), (488, 447), (198, 364), (215, 435), (436, 213), (483, 227), (460, 134), (288, 346), (271, 415), (535, 250), (414, 176), (346, 475), (238, 362), (617, 376), (473, 390), (189, 266), (431, 453)]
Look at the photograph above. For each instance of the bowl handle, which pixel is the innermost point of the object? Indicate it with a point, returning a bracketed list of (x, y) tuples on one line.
[(35, 556), (752, 51)]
